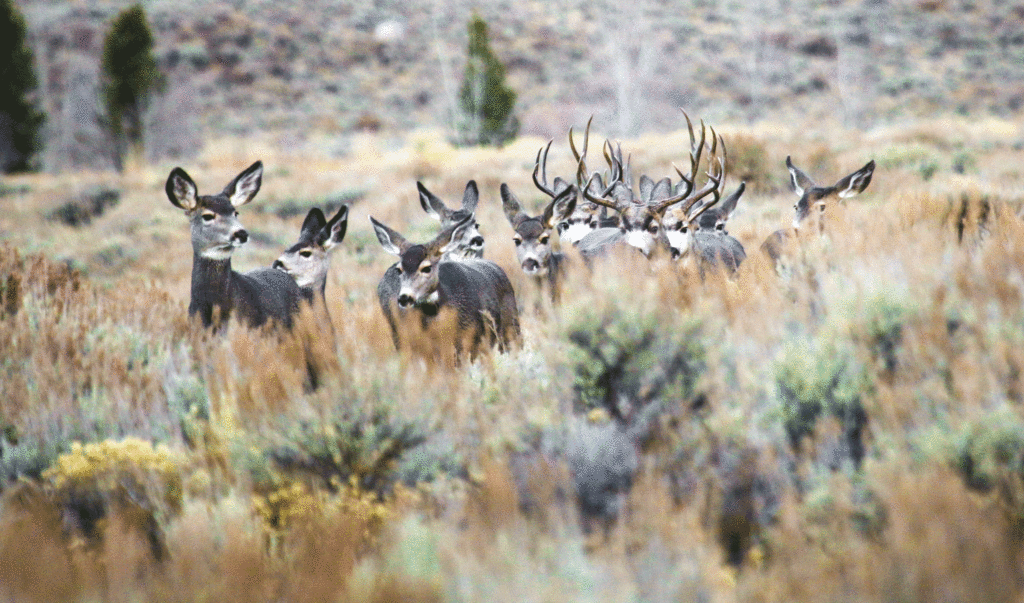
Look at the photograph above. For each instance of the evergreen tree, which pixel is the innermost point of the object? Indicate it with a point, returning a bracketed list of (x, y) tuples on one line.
[(20, 120), (486, 101), (130, 75)]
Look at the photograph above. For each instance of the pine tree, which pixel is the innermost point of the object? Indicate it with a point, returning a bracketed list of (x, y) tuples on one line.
[(487, 103), (20, 120), (130, 75)]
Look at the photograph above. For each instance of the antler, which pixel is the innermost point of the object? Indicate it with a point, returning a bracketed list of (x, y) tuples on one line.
[(714, 177), (542, 168)]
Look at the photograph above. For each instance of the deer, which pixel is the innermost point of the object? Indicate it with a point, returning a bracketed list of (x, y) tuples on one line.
[(533, 234), (699, 232), (640, 216), (587, 216), (218, 292), (809, 209), (475, 293), (309, 259), (470, 245)]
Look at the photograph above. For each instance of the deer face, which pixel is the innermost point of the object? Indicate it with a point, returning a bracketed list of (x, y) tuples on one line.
[(533, 236), (814, 198), (471, 242), (308, 260), (418, 264), (216, 231), (641, 227)]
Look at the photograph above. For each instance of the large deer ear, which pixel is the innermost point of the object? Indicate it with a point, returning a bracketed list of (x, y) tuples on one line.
[(451, 237), (431, 204), (856, 182), (560, 208), (181, 190), (511, 206), (244, 187), (390, 240), (801, 182), (334, 232), (729, 205), (470, 197), (312, 225)]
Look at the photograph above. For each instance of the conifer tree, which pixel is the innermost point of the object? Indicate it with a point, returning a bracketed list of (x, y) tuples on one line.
[(486, 102), (129, 76), (20, 120)]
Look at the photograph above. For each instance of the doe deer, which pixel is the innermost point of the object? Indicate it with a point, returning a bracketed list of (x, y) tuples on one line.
[(218, 292), (810, 208), (309, 259), (468, 245), (533, 236), (476, 294)]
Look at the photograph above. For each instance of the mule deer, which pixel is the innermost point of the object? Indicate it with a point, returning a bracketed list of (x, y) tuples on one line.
[(309, 259), (476, 293), (218, 291), (533, 236), (810, 208), (640, 217), (699, 233), (469, 245)]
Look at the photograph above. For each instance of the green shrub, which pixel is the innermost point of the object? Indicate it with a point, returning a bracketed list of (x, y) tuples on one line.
[(487, 103)]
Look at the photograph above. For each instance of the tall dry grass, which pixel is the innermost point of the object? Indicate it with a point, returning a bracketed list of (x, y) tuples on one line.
[(850, 429)]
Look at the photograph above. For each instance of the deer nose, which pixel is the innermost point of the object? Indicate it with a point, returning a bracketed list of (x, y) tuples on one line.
[(240, 235), (476, 241), (530, 265), (675, 253), (278, 264), (405, 300)]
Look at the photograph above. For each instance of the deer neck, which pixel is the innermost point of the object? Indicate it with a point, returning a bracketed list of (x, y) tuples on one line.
[(212, 284)]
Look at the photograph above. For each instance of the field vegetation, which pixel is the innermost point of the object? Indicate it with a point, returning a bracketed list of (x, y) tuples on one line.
[(849, 429)]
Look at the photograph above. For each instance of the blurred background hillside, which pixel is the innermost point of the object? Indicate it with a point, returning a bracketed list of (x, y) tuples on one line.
[(304, 73)]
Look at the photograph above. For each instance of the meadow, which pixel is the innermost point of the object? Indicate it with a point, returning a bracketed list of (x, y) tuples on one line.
[(850, 429)]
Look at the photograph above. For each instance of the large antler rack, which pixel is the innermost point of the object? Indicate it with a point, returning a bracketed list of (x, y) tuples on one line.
[(715, 174), (592, 187)]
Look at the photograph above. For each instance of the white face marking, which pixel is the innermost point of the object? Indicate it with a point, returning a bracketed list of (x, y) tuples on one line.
[(642, 240), (678, 240), (575, 232), (219, 253)]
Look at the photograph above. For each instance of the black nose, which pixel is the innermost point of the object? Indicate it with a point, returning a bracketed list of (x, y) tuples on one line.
[(675, 254), (240, 235), (476, 242), (404, 300), (278, 264), (531, 264)]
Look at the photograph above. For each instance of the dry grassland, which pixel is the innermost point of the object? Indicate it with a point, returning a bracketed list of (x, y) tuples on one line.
[(852, 430)]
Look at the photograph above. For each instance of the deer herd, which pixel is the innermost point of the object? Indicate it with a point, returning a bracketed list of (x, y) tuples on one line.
[(447, 279)]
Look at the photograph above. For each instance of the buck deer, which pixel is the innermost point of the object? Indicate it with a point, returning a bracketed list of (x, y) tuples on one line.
[(309, 259), (533, 235), (477, 292), (640, 217), (699, 232), (218, 291), (812, 198)]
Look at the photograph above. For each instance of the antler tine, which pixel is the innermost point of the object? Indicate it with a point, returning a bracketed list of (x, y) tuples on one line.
[(542, 168), (584, 188), (586, 140), (725, 167)]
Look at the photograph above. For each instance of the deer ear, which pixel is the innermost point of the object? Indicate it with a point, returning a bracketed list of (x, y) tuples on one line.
[(431, 204), (470, 197), (390, 240), (560, 207), (801, 182), (729, 205), (181, 190), (856, 182), (510, 204), (244, 187), (451, 237), (312, 225), (334, 232)]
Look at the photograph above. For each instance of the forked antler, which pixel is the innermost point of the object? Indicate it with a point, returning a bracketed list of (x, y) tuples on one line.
[(715, 176)]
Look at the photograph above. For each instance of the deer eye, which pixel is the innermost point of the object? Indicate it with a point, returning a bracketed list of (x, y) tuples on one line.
[(544, 239), (684, 228), (305, 253), (653, 229), (425, 269), (562, 227), (821, 208), (720, 226), (517, 241), (209, 216)]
